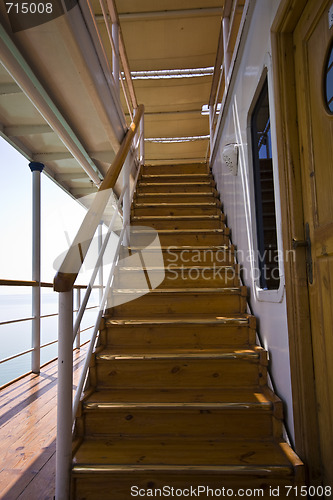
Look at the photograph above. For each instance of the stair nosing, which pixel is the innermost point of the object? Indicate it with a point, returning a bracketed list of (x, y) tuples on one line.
[(174, 268), (215, 321), (225, 290), (216, 469), (179, 217), (208, 230), (199, 204), (172, 356), (91, 406)]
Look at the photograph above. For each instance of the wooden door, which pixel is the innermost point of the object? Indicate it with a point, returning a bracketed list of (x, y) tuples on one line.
[(313, 40)]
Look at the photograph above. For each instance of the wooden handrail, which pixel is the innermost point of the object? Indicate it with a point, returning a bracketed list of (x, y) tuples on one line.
[(71, 265)]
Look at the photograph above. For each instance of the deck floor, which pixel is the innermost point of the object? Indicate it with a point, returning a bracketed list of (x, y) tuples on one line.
[(28, 434)]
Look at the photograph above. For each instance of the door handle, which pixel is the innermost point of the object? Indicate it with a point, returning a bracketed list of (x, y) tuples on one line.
[(306, 244)]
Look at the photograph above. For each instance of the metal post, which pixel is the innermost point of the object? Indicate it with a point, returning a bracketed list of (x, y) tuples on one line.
[(211, 124), (78, 305), (36, 169), (142, 140), (127, 198), (65, 396), (100, 271), (227, 58), (115, 56)]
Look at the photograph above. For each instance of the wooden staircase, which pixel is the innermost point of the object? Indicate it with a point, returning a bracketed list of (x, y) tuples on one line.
[(178, 393)]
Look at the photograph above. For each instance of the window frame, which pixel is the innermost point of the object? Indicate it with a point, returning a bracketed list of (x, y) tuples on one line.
[(265, 295)]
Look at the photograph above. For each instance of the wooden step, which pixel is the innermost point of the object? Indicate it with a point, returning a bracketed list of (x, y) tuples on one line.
[(186, 255), (191, 237), (243, 368), (180, 222), (197, 208), (174, 198), (178, 277), (159, 302), (228, 414), (122, 463), (185, 168), (205, 186), (175, 178), (193, 332)]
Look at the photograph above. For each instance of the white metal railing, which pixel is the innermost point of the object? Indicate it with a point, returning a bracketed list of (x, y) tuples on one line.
[(120, 67), (39, 347), (231, 25)]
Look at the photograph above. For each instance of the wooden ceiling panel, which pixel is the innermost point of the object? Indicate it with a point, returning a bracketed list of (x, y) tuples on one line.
[(185, 125), (173, 95), (172, 43)]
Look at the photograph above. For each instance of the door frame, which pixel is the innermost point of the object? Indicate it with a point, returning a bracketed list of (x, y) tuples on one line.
[(298, 311)]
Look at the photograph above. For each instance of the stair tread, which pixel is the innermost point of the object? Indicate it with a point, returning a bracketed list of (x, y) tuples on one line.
[(137, 353), (241, 319), (178, 217), (157, 291), (178, 231), (194, 248), (171, 267), (159, 397), (185, 194), (177, 204), (185, 452), (207, 183), (148, 176)]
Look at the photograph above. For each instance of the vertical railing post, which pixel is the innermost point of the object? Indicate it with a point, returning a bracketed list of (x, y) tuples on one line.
[(115, 56), (78, 305), (36, 169), (142, 140), (100, 271), (226, 53), (211, 123), (65, 396), (127, 198)]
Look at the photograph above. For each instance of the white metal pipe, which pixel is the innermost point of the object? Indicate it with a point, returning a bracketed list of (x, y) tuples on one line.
[(94, 334), (64, 399), (127, 198), (227, 55), (78, 305), (142, 141), (98, 263), (100, 272), (36, 169), (115, 56)]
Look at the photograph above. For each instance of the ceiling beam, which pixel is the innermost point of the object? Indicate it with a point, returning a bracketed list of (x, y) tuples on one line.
[(19, 69), (80, 176), (58, 156), (9, 89), (22, 130)]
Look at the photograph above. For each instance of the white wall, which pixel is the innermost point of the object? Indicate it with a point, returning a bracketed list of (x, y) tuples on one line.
[(237, 195)]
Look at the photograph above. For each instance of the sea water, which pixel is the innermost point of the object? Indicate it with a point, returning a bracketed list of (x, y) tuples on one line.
[(16, 337)]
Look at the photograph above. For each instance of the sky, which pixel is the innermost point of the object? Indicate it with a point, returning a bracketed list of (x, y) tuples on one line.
[(60, 215)]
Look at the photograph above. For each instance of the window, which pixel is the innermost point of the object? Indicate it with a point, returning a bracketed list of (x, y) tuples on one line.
[(268, 262), (329, 81)]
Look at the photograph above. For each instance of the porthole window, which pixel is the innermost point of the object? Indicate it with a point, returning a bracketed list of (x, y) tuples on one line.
[(329, 81)]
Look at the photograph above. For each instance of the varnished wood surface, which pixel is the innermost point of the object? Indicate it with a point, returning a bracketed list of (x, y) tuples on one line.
[(28, 432)]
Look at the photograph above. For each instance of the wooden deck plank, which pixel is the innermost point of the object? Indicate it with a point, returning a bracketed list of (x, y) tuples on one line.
[(27, 434)]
